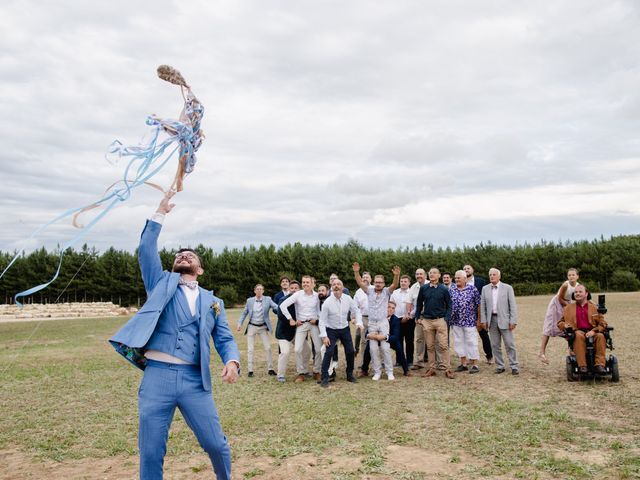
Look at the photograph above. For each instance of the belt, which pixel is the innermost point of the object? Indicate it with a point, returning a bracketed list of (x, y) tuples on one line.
[(434, 318), (256, 325), (307, 321), (172, 366)]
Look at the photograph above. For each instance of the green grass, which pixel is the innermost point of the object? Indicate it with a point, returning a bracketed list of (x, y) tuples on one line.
[(67, 396)]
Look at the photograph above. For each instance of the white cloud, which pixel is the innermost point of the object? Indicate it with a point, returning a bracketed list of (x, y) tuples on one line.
[(328, 120)]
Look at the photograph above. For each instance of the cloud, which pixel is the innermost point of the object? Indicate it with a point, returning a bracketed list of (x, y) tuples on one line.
[(327, 121)]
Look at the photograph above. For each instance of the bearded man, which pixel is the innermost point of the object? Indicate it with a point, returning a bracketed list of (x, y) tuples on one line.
[(169, 339)]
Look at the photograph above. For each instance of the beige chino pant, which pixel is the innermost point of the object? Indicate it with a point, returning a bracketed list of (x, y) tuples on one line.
[(252, 331), (436, 338)]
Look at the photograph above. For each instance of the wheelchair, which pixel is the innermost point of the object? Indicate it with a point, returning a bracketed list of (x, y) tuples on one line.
[(611, 361)]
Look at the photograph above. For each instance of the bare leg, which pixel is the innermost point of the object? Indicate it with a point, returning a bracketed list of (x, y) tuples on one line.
[(543, 348)]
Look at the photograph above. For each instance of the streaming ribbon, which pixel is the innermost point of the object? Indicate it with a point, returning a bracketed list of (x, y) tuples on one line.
[(145, 160)]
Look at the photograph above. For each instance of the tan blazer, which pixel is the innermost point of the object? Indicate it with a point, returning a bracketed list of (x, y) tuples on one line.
[(595, 319)]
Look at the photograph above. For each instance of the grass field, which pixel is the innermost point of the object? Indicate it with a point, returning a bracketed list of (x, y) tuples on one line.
[(69, 410)]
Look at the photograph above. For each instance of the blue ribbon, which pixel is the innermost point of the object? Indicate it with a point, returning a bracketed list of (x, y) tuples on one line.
[(145, 162)]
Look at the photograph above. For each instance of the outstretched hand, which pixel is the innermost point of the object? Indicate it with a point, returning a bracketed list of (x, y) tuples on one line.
[(396, 270), (356, 267), (165, 206)]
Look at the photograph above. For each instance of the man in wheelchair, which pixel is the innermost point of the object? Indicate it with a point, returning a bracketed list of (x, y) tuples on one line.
[(582, 321)]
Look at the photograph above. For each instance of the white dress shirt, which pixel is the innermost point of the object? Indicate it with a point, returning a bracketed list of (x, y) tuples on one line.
[(307, 306), (335, 313)]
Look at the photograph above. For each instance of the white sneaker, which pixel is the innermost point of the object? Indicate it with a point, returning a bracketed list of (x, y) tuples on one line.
[(376, 377), (390, 376)]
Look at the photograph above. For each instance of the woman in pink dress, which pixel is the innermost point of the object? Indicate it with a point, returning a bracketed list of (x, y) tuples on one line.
[(554, 312)]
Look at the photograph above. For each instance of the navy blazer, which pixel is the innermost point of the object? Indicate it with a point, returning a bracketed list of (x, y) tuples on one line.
[(394, 330), (479, 282), (161, 285), (284, 330)]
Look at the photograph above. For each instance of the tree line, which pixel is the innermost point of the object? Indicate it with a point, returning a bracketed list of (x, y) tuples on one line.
[(611, 264)]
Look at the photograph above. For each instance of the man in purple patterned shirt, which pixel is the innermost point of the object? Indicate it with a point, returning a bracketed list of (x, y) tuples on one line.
[(465, 311)]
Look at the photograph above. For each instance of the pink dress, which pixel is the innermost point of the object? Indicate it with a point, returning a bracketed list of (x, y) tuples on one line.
[(554, 314)]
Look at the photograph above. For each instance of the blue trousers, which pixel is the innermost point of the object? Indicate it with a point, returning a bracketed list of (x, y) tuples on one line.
[(344, 335), (164, 387)]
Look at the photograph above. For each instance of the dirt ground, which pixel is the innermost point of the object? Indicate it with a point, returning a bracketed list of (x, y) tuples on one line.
[(307, 466)]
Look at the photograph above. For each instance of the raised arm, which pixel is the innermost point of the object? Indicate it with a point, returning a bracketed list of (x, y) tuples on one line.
[(148, 256), (361, 283), (396, 278)]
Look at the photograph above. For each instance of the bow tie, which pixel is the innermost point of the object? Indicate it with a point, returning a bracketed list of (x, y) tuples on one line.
[(192, 284), (494, 286)]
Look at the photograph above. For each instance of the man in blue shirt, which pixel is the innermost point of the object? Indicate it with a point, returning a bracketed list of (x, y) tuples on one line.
[(432, 311)]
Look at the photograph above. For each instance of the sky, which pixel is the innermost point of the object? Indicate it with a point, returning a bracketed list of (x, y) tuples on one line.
[(392, 123)]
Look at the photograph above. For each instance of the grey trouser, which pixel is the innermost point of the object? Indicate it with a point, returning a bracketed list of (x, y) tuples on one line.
[(496, 334)]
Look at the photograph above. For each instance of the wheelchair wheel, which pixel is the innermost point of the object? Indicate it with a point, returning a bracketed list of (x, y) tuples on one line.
[(615, 374), (571, 377)]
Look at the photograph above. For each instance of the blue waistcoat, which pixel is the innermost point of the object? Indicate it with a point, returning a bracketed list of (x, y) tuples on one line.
[(176, 332)]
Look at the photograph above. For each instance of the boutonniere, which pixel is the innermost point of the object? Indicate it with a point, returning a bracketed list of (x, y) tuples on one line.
[(216, 308)]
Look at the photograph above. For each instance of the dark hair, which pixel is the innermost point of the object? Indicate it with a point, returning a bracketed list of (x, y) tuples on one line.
[(446, 273), (294, 282), (284, 277), (324, 285)]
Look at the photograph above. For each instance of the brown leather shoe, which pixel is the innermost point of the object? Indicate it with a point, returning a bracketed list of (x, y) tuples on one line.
[(449, 374), (362, 374), (316, 376), (300, 379), (430, 373), (416, 367)]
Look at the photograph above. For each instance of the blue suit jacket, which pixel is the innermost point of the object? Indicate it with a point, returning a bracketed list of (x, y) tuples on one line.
[(161, 285), (267, 305), (395, 330)]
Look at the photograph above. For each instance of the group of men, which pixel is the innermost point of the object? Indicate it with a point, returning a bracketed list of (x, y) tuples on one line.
[(169, 337), (413, 320)]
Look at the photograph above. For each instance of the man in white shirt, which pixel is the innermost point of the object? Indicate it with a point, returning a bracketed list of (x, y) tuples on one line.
[(334, 326), (307, 315), (361, 298)]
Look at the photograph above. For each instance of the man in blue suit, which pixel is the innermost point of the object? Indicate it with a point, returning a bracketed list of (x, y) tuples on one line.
[(169, 339), (257, 310)]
